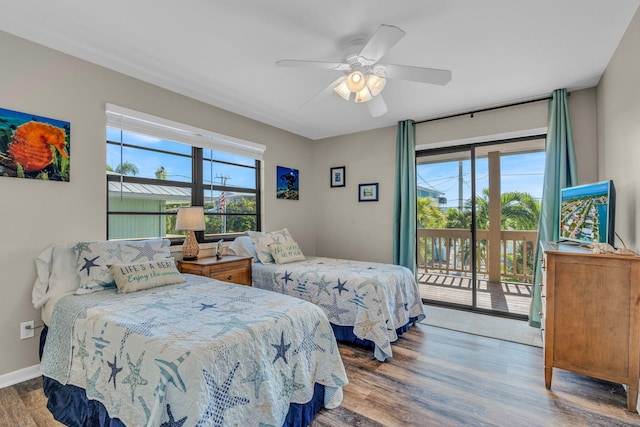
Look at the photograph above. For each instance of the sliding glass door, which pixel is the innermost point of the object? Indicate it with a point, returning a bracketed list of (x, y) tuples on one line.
[(478, 209)]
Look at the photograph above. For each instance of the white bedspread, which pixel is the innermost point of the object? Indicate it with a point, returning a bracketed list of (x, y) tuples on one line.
[(196, 354), (374, 298)]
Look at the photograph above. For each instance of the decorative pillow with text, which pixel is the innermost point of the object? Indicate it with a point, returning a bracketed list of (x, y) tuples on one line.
[(93, 259), (145, 275), (289, 252), (262, 240)]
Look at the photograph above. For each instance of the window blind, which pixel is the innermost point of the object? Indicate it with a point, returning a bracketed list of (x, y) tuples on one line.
[(147, 124)]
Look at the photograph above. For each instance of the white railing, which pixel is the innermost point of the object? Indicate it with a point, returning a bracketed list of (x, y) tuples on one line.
[(448, 250)]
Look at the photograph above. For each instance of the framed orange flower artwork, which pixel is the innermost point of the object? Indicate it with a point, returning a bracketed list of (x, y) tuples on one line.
[(34, 147)]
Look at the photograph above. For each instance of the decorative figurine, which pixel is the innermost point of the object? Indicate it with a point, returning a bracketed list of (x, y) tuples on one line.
[(219, 249)]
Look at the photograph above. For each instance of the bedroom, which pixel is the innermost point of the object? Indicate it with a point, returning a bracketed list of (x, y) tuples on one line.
[(35, 214)]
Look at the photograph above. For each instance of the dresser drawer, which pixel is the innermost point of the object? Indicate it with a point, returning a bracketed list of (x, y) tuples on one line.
[(237, 275)]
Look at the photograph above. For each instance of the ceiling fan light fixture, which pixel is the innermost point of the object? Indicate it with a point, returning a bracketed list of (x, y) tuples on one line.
[(375, 84), (356, 81), (343, 90), (363, 95)]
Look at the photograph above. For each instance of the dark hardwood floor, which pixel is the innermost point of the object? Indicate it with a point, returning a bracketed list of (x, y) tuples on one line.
[(437, 377), (440, 377)]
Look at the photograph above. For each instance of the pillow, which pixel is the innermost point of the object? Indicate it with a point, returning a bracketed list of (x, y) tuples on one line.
[(262, 240), (289, 252), (56, 273), (145, 275), (93, 259), (242, 246)]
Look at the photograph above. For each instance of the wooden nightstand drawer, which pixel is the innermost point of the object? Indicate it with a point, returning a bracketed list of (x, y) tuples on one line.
[(234, 275), (233, 269)]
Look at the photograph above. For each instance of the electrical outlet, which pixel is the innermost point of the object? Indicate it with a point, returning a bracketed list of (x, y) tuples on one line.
[(26, 330)]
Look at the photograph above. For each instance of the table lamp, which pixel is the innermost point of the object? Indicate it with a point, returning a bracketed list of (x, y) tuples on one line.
[(191, 219)]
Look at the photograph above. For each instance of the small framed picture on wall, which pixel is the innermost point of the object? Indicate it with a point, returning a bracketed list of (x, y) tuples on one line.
[(337, 177), (368, 192)]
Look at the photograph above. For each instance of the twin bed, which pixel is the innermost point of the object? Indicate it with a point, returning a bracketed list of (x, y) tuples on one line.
[(130, 341), (367, 303), (193, 353)]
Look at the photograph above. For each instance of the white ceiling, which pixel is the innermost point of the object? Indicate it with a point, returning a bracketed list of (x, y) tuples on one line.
[(223, 52)]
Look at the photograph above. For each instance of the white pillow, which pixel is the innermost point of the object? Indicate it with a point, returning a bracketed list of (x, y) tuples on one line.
[(262, 240), (242, 246), (93, 259), (56, 273), (288, 252)]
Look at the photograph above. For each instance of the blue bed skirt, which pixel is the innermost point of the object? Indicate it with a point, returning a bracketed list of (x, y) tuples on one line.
[(69, 404), (345, 333)]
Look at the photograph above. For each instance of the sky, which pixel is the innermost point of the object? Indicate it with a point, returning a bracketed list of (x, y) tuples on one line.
[(178, 168), (519, 172)]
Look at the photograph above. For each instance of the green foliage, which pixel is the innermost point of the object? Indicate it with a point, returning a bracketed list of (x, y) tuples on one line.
[(161, 173), (428, 214), (127, 168), (518, 211)]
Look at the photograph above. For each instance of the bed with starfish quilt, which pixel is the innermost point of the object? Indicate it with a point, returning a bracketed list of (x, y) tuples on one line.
[(366, 303), (198, 353)]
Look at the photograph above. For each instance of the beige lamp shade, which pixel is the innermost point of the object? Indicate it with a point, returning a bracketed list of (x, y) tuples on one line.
[(191, 219)]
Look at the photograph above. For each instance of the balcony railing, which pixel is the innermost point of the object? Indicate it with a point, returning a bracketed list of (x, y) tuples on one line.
[(448, 251)]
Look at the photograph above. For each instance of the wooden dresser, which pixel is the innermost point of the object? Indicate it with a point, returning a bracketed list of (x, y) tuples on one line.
[(234, 269), (590, 315)]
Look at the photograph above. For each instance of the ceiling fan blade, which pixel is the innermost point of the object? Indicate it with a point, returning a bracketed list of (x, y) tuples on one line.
[(377, 106), (434, 76), (384, 39), (324, 93), (321, 65)]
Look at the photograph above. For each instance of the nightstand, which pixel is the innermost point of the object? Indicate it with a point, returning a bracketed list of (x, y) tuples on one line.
[(233, 269)]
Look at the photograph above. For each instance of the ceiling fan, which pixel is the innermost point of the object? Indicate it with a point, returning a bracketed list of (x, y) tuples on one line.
[(363, 77)]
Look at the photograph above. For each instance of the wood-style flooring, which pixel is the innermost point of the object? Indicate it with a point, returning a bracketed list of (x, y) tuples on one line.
[(437, 377)]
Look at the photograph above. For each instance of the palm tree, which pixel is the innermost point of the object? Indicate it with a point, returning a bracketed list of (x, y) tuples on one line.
[(518, 211), (161, 173), (127, 168), (429, 215)]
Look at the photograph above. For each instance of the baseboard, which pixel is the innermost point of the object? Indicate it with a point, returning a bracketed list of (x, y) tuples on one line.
[(19, 376)]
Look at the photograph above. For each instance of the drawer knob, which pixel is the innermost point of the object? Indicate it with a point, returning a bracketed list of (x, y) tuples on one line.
[(229, 277)]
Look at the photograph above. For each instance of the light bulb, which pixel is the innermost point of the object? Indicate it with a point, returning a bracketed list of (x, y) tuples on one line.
[(364, 95), (355, 81), (343, 90), (375, 84)]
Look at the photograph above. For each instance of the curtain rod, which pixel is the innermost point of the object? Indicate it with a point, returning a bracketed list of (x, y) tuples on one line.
[(471, 113)]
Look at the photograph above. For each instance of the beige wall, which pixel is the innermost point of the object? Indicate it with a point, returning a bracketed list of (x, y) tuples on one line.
[(34, 214), (619, 132), (348, 228)]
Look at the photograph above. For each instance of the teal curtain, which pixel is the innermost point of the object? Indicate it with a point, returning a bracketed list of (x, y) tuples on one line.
[(404, 216), (560, 171)]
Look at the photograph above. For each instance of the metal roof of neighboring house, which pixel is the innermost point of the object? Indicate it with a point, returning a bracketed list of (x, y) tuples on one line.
[(142, 191)]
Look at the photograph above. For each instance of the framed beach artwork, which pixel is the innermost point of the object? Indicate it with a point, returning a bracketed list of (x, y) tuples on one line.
[(287, 183), (337, 177), (34, 147), (368, 192)]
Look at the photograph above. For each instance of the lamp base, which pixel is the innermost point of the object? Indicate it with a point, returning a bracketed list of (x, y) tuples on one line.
[(190, 247)]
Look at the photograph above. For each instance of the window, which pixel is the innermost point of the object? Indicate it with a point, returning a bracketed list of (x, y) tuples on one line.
[(154, 166)]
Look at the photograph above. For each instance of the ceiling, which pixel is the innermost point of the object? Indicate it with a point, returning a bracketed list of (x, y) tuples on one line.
[(223, 52)]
